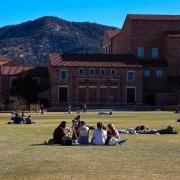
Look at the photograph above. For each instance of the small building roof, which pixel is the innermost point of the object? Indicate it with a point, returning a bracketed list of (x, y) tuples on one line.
[(10, 67), (150, 17)]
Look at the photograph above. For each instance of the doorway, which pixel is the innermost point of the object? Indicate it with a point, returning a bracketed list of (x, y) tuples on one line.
[(63, 94), (131, 95)]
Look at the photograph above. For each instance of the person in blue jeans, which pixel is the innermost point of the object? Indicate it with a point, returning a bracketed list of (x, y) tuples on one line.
[(83, 133)]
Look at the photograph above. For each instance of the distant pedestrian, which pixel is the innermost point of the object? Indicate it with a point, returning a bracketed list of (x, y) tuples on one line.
[(42, 109), (177, 108), (84, 108), (69, 109)]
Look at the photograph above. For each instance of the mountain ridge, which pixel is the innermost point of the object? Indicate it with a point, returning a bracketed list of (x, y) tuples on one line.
[(31, 41)]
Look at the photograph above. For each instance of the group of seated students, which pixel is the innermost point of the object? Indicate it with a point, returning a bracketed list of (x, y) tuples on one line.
[(80, 134), (16, 118)]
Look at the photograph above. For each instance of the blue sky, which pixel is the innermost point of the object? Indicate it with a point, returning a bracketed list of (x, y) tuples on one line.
[(108, 12)]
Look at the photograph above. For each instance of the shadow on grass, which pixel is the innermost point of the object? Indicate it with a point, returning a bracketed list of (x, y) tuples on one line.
[(74, 145)]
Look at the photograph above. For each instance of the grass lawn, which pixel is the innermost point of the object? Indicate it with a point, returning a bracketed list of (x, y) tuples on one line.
[(142, 157)]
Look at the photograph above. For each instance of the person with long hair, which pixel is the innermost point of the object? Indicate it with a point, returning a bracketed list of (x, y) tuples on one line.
[(75, 127), (113, 136)]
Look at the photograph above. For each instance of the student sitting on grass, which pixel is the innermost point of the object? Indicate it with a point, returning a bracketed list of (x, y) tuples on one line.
[(17, 119), (99, 135), (75, 128), (83, 133), (113, 137), (60, 135)]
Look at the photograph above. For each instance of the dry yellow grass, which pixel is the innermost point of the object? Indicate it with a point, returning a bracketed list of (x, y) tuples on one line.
[(142, 157)]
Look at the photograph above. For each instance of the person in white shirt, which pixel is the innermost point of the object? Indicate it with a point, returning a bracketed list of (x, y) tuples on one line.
[(99, 135), (83, 133)]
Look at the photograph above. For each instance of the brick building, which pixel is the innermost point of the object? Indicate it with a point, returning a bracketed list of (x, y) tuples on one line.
[(155, 40), (140, 66), (9, 70), (94, 79)]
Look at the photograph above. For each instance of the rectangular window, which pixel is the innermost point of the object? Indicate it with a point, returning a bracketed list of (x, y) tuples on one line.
[(81, 71), (155, 53), (63, 74), (92, 71), (159, 73), (147, 73), (102, 72), (131, 75), (113, 71), (140, 52)]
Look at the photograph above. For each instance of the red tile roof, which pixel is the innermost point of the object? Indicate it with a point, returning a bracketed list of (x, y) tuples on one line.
[(154, 17), (93, 60), (10, 67), (4, 60)]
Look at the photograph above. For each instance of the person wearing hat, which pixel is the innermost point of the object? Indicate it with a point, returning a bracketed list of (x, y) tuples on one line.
[(60, 135)]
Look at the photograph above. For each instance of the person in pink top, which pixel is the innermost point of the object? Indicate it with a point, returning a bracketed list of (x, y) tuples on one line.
[(75, 127)]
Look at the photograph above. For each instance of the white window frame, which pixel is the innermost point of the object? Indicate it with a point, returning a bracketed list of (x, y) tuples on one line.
[(140, 52), (93, 87), (103, 87), (113, 87), (82, 87), (155, 52), (130, 71), (65, 70)]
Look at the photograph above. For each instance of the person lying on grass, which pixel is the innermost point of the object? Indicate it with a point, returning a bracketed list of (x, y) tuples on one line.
[(142, 130), (104, 113)]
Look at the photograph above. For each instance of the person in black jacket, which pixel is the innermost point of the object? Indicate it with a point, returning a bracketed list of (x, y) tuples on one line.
[(60, 135)]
